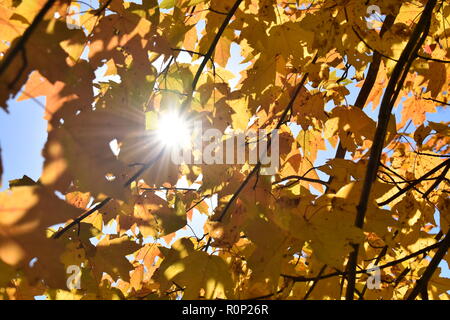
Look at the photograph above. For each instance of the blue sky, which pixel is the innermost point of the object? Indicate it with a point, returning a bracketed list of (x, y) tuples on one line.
[(23, 133)]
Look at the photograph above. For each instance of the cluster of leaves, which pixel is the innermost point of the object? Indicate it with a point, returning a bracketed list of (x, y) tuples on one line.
[(286, 236)]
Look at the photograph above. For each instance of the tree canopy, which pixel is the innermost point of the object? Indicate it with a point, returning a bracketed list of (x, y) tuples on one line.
[(109, 217)]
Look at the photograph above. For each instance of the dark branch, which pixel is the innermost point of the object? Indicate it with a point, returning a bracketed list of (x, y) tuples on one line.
[(280, 121), (437, 182), (377, 261), (310, 290), (216, 11), (366, 271), (258, 165), (168, 188), (422, 283), (103, 8), (392, 91), (438, 101), (414, 183), (144, 167), (212, 47), (20, 44), (301, 178), (98, 206), (399, 176), (369, 82), (432, 59), (370, 47)]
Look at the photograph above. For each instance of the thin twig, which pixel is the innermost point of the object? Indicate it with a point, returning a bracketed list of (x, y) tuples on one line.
[(300, 178), (144, 167), (366, 271), (438, 101), (438, 180), (210, 51), (103, 8), (168, 188), (258, 165), (310, 290), (414, 183), (98, 206), (368, 84), (432, 59)]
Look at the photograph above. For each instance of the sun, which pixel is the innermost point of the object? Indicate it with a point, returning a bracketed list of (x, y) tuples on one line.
[(173, 131)]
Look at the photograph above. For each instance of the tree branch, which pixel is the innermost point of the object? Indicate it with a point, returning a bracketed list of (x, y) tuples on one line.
[(432, 59), (216, 11), (377, 261), (369, 82), (387, 265), (438, 180), (316, 280), (422, 283), (395, 84), (258, 165), (103, 8), (144, 167), (300, 178), (438, 101), (98, 206), (370, 47), (20, 44), (208, 55), (414, 183), (168, 188)]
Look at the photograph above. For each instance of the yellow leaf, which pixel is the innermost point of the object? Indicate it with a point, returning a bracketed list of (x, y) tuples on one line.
[(195, 271)]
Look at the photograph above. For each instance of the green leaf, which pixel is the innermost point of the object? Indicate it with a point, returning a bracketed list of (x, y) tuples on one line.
[(167, 4)]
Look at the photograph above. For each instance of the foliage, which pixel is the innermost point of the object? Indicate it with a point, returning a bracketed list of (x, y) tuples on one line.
[(292, 235)]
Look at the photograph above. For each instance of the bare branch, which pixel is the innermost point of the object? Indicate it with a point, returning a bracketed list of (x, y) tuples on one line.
[(432, 59), (392, 91), (168, 188), (98, 206), (438, 101), (103, 8), (258, 165), (20, 44), (423, 281), (211, 49), (141, 170), (414, 183), (437, 182), (310, 290), (369, 82), (387, 265), (300, 178)]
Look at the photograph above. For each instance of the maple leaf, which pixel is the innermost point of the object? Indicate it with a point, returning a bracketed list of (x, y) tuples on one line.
[(24, 225), (182, 264), (415, 109), (36, 54), (113, 249), (351, 124)]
